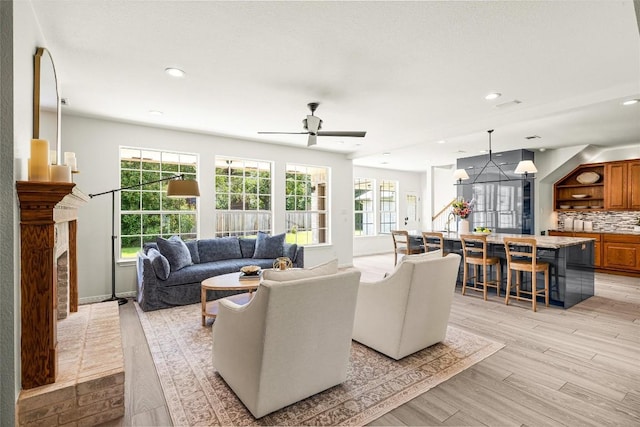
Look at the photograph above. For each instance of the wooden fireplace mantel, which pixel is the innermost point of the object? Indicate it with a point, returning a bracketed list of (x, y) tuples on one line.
[(42, 205)]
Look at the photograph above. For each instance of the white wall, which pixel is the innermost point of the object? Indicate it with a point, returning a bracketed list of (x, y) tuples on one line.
[(408, 182), (20, 35), (96, 144)]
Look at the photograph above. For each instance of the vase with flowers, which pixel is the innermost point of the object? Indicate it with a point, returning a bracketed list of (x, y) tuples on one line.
[(462, 210)]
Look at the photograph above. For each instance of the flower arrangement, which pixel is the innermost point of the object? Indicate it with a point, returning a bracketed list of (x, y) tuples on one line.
[(461, 208)]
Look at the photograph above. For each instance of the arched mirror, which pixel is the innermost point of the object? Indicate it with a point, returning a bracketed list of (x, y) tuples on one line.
[(46, 103)]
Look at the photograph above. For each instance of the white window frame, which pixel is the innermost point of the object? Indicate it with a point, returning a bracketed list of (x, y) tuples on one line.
[(187, 207), (315, 221), (388, 217), (243, 220), (371, 230)]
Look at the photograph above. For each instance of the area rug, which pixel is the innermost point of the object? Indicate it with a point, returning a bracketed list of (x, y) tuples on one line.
[(376, 384)]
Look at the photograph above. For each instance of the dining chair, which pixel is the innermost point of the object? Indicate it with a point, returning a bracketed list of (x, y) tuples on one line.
[(522, 257), (402, 244), (433, 241), (474, 252)]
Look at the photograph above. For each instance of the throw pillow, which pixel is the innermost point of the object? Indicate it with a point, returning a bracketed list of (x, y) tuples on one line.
[(290, 251), (329, 267), (192, 245), (269, 247), (176, 252), (247, 247), (159, 263)]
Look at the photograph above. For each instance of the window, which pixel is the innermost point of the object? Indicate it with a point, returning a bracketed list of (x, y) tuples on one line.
[(243, 197), (388, 217), (307, 218), (146, 212), (364, 205)]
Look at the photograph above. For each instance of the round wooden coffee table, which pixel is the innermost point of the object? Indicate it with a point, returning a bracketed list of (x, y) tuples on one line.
[(226, 282)]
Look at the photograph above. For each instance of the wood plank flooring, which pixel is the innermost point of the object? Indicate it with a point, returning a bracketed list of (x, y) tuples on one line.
[(572, 367)]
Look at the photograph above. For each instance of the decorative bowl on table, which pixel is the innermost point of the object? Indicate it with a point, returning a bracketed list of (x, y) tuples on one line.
[(565, 206), (579, 196), (250, 270)]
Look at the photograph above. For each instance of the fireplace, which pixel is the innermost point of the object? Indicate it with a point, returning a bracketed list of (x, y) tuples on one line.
[(49, 277)]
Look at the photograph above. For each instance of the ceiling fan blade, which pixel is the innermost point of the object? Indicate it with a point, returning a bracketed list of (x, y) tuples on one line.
[(313, 140), (285, 133), (346, 133)]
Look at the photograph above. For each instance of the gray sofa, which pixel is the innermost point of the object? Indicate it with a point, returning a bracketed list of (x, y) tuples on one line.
[(168, 274)]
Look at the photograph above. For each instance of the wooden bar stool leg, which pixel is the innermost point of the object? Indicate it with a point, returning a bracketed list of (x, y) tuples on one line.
[(534, 290), (506, 297), (498, 279), (465, 274), (484, 281), (518, 279), (546, 287)]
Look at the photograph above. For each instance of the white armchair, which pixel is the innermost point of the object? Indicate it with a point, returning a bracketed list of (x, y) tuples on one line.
[(291, 341), (409, 309)]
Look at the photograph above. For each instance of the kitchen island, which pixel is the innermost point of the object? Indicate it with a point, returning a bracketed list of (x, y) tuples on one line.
[(570, 260)]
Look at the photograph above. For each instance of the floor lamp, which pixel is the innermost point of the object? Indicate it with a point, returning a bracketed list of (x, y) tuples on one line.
[(177, 187)]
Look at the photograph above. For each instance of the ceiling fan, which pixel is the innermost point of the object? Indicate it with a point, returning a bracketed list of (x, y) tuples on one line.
[(312, 124)]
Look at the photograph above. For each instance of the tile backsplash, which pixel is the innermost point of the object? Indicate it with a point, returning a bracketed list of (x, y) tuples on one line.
[(608, 221)]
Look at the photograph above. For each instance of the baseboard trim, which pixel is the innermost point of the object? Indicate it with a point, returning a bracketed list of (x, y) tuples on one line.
[(100, 298)]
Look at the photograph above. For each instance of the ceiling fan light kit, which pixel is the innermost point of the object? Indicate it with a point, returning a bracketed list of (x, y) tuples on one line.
[(312, 124)]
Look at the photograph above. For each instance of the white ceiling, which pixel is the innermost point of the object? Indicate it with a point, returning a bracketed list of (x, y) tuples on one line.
[(409, 73)]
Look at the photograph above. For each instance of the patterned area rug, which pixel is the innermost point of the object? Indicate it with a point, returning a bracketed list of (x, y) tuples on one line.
[(376, 384)]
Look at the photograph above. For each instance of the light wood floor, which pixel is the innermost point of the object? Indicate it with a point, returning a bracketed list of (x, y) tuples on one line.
[(575, 367)]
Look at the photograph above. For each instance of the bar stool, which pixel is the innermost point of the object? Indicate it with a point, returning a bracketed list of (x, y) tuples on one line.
[(402, 244), (474, 251), (433, 241), (524, 249)]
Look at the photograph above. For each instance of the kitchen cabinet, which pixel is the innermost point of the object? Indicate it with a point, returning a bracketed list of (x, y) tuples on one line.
[(597, 245), (622, 252), (582, 188), (503, 201), (622, 185)]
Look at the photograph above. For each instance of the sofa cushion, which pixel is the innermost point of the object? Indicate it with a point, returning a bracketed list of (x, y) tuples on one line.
[(329, 267), (219, 249), (247, 247), (159, 263), (192, 245), (198, 272), (269, 246), (176, 252)]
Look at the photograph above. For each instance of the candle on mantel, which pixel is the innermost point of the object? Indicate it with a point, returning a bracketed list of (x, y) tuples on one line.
[(60, 173), (70, 160), (39, 160)]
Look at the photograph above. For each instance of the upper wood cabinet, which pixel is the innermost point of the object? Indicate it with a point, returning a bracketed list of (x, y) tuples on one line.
[(617, 187), (582, 188), (622, 185)]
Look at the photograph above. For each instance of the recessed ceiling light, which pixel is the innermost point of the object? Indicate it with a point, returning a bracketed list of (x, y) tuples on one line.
[(493, 95), (155, 112), (483, 151), (386, 154), (543, 149), (442, 141), (174, 72), (631, 101)]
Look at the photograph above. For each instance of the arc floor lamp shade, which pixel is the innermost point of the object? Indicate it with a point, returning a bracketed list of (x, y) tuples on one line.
[(183, 188)]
